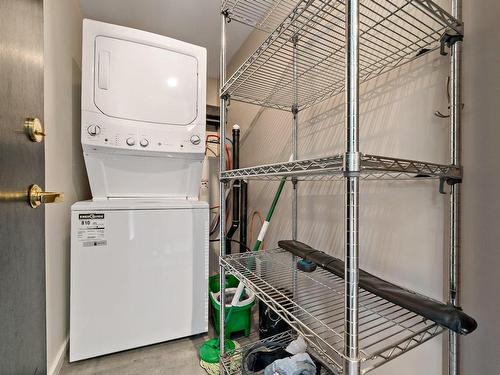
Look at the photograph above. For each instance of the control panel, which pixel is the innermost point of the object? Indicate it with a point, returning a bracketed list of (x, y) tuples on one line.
[(152, 137)]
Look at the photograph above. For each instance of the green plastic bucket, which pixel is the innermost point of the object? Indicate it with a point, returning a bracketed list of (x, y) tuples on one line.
[(241, 316)]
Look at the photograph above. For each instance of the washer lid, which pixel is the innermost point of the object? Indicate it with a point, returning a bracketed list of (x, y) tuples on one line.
[(139, 82), (137, 204)]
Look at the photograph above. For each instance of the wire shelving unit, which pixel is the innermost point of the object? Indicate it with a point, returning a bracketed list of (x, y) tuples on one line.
[(317, 49)]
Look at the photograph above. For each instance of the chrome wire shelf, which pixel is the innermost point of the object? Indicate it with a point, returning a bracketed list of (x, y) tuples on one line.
[(392, 33), (316, 309), (331, 168), (233, 362), (264, 15)]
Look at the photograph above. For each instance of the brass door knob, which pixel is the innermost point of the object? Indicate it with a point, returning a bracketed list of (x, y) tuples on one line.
[(37, 196), (34, 129)]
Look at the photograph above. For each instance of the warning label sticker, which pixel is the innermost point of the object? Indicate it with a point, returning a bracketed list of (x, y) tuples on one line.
[(91, 229)]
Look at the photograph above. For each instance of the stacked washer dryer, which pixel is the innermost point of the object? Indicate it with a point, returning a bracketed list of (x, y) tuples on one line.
[(139, 248)]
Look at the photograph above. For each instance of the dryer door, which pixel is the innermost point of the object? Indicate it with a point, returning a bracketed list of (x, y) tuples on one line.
[(144, 83)]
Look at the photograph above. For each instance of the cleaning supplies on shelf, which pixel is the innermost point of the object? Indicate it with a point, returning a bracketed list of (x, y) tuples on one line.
[(247, 297), (306, 265), (270, 323), (240, 319), (261, 355), (297, 346), (299, 364), (209, 352), (279, 358)]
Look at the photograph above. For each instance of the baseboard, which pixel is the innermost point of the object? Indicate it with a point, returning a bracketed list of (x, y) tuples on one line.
[(58, 361)]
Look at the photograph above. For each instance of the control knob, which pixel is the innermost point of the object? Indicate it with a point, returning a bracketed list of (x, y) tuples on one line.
[(195, 139), (144, 142), (130, 141), (94, 130)]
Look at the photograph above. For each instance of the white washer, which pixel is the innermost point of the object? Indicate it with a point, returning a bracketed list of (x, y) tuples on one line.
[(138, 274), (139, 249)]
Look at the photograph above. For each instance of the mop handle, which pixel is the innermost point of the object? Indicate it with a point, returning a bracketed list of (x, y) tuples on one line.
[(260, 238), (265, 225), (270, 213), (237, 294)]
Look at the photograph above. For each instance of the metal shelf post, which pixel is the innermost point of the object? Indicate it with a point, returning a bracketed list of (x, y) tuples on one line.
[(352, 167), (295, 129), (295, 149), (222, 184), (454, 252)]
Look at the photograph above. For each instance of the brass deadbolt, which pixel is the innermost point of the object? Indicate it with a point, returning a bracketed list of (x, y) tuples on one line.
[(34, 129)]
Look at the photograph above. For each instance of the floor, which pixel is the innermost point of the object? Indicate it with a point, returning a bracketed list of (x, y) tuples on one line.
[(179, 357)]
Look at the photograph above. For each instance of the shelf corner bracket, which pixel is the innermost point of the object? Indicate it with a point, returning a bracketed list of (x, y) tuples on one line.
[(449, 181), (448, 39)]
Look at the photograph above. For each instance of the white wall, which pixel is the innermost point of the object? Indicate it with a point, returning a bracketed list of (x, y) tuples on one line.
[(212, 91), (64, 168), (403, 225)]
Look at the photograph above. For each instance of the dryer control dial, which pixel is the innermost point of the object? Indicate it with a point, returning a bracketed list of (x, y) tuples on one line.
[(94, 130), (195, 139), (144, 142), (130, 141)]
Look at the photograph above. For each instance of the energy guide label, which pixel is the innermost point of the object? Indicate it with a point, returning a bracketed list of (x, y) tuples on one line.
[(91, 229)]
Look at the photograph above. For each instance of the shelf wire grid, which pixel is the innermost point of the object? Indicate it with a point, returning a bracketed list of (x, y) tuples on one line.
[(316, 310), (264, 15), (392, 33), (372, 167)]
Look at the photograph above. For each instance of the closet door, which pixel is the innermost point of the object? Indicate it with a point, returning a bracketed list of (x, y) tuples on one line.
[(22, 228)]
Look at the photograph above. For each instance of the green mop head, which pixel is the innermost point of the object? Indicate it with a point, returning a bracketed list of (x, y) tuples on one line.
[(210, 354), (210, 350)]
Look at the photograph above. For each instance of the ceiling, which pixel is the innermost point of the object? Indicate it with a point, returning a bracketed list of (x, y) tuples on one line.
[(192, 21)]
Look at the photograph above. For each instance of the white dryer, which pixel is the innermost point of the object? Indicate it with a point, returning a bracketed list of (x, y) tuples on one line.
[(139, 249), (143, 113)]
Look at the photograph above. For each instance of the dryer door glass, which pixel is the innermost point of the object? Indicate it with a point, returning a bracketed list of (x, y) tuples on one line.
[(143, 83)]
